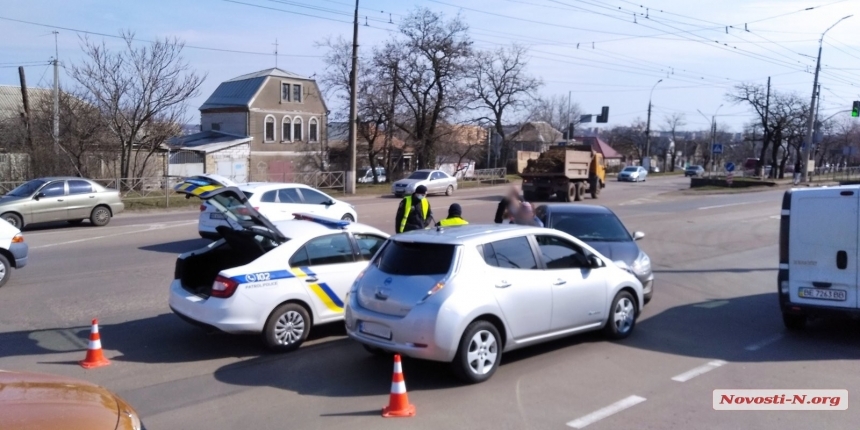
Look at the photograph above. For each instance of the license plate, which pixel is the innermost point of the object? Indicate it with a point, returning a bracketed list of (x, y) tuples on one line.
[(821, 294), (375, 329), (216, 216)]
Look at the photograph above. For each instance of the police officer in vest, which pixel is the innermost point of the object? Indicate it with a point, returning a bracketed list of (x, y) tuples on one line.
[(414, 212), (455, 217)]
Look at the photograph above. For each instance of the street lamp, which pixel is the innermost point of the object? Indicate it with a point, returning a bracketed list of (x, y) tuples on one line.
[(713, 133), (807, 147), (648, 129)]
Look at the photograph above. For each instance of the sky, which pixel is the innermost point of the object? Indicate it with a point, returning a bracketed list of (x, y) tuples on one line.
[(591, 49)]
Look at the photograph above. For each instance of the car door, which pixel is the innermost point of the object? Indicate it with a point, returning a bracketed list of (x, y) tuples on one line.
[(51, 203), (437, 180), (81, 199), (328, 266), (578, 291), (523, 292), (316, 203)]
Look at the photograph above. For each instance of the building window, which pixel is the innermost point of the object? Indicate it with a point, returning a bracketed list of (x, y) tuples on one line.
[(297, 129), (313, 133), (286, 128), (285, 92), (297, 93), (269, 129), (216, 126)]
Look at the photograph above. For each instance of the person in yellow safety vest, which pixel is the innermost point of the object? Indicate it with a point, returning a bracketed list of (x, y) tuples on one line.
[(414, 212), (455, 217)]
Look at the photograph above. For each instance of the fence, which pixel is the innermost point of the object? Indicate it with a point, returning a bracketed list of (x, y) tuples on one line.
[(331, 180), (491, 175)]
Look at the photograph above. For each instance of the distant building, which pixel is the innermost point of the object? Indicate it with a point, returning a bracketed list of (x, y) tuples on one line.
[(279, 116), (610, 155)]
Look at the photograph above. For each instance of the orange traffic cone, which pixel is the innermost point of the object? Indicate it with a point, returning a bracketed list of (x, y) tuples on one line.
[(398, 403), (95, 358)]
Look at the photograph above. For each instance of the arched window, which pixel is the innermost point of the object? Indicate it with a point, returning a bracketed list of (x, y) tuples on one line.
[(286, 127), (269, 129), (313, 130), (297, 129)]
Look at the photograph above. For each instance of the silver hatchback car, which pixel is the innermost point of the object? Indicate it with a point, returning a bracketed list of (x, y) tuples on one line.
[(466, 294)]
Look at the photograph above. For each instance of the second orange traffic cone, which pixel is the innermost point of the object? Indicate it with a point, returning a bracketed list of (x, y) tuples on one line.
[(398, 403), (95, 357)]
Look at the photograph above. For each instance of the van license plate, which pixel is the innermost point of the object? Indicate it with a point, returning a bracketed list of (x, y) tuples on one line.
[(821, 294), (375, 329), (216, 216)]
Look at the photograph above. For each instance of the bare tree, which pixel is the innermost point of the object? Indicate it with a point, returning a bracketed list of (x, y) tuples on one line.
[(557, 110), (500, 87), (756, 97), (673, 123), (628, 140), (431, 55), (141, 92)]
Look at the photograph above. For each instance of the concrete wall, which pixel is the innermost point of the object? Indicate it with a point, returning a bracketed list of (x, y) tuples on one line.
[(230, 162), (268, 102)]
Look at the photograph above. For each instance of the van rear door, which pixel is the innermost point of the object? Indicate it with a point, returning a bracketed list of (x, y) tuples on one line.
[(823, 237)]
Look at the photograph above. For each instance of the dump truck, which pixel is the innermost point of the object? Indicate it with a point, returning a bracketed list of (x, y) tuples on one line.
[(566, 171)]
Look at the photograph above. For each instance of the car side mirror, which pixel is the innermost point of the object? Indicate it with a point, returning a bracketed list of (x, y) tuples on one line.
[(595, 262), (638, 235), (329, 202), (39, 196)]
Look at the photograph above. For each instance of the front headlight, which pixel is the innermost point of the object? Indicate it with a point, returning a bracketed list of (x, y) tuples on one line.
[(642, 265), (623, 266)]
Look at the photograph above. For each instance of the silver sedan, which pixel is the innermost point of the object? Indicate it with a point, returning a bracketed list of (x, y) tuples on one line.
[(60, 199), (436, 181), (464, 295)]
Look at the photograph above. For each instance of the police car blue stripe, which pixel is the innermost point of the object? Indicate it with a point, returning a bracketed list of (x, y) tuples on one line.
[(263, 276), (307, 271), (331, 294)]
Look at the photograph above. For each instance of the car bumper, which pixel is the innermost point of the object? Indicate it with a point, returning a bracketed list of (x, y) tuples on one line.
[(627, 178), (116, 208), (235, 315), (420, 334), (820, 311), (21, 252)]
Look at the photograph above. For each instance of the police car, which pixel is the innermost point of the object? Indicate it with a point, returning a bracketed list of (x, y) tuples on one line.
[(278, 279)]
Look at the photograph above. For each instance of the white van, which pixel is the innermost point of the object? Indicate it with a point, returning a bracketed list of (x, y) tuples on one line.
[(818, 254)]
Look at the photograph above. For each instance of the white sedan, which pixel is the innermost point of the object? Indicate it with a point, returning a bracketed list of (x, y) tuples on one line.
[(278, 279), (276, 201)]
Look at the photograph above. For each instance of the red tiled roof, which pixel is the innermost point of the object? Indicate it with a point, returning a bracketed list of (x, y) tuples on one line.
[(599, 146)]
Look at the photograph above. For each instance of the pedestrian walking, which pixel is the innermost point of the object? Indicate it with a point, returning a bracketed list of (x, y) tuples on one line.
[(414, 212), (526, 216), (455, 217), (509, 205), (797, 168)]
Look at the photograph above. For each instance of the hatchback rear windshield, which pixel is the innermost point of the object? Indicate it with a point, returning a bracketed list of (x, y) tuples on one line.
[(401, 258)]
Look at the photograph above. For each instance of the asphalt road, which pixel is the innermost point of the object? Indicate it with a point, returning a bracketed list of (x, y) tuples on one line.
[(713, 324)]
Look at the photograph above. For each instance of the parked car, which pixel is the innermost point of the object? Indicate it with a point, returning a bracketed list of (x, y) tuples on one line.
[(60, 199), (633, 174), (365, 176), (34, 401), (13, 251), (272, 278), (465, 295), (693, 171), (436, 181), (276, 201), (601, 229)]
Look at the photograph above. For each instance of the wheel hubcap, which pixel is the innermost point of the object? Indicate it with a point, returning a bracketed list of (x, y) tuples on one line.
[(2, 272), (102, 215), (623, 315), (289, 328), (482, 352), (12, 221)]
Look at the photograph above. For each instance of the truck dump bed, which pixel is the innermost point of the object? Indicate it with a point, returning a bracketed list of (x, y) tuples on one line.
[(572, 162)]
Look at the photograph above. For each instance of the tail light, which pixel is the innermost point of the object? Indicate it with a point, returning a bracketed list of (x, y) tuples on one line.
[(19, 238), (202, 207), (223, 287)]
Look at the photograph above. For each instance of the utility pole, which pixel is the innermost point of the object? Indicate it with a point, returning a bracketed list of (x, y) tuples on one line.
[(25, 98), (648, 130), (56, 95), (766, 137), (807, 148), (353, 114), (389, 132), (569, 122)]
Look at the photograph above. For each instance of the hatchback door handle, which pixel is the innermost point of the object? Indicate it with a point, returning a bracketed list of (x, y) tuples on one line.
[(504, 284), (59, 200), (309, 280), (560, 282), (92, 197)]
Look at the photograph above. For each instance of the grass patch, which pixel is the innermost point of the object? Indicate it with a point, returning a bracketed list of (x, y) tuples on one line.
[(159, 202)]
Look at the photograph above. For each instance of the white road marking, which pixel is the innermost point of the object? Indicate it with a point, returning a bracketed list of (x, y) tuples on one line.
[(725, 205), (605, 412), (692, 373), (151, 228), (759, 345)]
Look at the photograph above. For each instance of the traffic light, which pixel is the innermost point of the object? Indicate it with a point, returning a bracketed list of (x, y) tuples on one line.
[(855, 112), (604, 115)]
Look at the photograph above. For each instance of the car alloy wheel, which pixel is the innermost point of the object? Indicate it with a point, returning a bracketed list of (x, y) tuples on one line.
[(289, 328), (482, 353), (623, 315)]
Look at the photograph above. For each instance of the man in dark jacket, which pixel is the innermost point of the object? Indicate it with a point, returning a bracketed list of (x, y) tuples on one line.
[(414, 212), (513, 200)]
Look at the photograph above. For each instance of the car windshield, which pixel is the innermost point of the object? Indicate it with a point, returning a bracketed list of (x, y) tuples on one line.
[(694, 167), (591, 227), (631, 169), (419, 175), (27, 188)]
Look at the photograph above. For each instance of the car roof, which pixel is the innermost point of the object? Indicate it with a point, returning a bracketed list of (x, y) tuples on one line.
[(576, 208), (472, 233), (297, 229), (265, 186), (61, 178), (425, 170)]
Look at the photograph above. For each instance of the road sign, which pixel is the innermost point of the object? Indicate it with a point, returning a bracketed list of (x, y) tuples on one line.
[(730, 167), (717, 148)]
